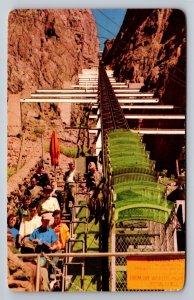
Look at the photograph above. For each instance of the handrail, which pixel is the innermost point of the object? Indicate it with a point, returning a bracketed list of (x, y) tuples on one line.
[(131, 255), (105, 254)]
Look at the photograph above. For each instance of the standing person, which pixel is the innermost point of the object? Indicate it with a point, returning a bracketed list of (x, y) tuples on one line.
[(94, 184), (48, 204), (71, 177), (28, 225)]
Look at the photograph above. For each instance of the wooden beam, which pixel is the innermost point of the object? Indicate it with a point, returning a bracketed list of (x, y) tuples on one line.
[(155, 117), (140, 94), (65, 95), (152, 131), (149, 117), (83, 100), (147, 107), (53, 100), (127, 95), (72, 91), (135, 100), (158, 131), (85, 90)]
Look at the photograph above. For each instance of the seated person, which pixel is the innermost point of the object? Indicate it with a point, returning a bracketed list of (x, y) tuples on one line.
[(43, 238), (48, 204), (35, 190), (12, 230), (23, 191), (70, 178), (44, 235), (28, 224), (41, 176), (23, 211), (56, 193), (94, 183), (61, 230)]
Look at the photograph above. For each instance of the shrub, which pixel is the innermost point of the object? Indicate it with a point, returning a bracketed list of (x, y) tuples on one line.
[(38, 131), (10, 172), (70, 152)]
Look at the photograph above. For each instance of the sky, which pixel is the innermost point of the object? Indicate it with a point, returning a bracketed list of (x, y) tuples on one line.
[(108, 22)]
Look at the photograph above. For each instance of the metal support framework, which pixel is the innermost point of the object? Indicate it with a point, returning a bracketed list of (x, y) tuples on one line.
[(88, 90), (148, 117), (83, 100), (73, 95), (157, 131)]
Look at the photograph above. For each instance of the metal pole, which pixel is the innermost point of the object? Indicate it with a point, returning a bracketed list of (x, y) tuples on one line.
[(21, 114), (42, 147), (38, 273), (63, 279), (82, 276), (113, 264), (153, 255)]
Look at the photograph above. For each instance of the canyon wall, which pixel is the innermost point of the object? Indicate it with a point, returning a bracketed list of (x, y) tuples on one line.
[(151, 48), (46, 48)]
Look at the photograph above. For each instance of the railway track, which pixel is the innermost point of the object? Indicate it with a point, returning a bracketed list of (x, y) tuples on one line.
[(112, 114)]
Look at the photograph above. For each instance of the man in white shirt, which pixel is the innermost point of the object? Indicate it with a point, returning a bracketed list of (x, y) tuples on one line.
[(57, 194), (28, 224), (48, 204), (70, 178)]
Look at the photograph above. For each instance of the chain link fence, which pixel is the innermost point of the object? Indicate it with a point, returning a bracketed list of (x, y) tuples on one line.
[(139, 236)]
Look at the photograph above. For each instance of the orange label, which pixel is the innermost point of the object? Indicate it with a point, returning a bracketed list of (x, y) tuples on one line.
[(157, 274)]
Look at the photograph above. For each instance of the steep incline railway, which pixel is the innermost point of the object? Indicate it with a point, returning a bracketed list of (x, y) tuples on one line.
[(137, 218), (135, 198)]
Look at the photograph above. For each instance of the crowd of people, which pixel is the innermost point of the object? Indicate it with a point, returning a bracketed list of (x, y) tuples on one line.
[(38, 226)]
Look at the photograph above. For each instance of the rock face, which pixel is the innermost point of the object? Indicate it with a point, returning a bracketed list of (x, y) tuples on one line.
[(46, 48), (20, 275), (151, 48)]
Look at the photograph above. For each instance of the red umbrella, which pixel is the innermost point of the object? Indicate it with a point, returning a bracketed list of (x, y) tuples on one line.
[(54, 149)]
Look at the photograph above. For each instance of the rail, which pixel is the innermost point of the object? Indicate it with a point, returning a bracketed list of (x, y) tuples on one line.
[(135, 255)]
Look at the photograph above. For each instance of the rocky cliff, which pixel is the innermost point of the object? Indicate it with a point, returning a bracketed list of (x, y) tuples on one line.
[(151, 48), (46, 48)]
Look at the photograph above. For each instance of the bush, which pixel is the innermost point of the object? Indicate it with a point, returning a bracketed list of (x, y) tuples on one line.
[(38, 131), (33, 137), (70, 152), (10, 172)]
